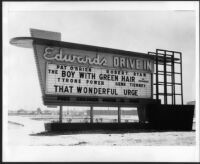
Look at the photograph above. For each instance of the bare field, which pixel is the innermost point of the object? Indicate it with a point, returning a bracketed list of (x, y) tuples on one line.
[(22, 131)]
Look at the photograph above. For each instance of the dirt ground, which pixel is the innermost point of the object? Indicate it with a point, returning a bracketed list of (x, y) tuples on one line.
[(22, 131)]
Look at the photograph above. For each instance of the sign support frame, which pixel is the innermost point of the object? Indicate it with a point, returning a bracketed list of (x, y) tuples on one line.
[(119, 114), (91, 114), (61, 114)]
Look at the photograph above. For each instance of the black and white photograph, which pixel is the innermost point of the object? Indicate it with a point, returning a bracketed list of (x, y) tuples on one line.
[(100, 81)]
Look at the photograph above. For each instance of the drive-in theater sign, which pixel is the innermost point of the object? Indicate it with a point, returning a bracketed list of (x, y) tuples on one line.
[(72, 74), (78, 74), (68, 71)]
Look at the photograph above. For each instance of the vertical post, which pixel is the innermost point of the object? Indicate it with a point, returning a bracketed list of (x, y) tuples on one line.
[(173, 81), (152, 78), (181, 69), (61, 114), (91, 114), (119, 114), (157, 96), (165, 78)]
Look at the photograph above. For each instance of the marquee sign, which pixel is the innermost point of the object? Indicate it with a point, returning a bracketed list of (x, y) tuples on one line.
[(91, 81), (74, 70), (87, 73)]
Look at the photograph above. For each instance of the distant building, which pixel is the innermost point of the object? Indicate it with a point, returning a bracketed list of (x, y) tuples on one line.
[(11, 112), (39, 111), (47, 112), (21, 111)]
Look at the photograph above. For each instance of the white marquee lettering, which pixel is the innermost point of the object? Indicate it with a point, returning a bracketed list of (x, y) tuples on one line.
[(48, 51), (48, 55), (116, 62), (63, 79), (122, 62), (149, 65), (139, 64)]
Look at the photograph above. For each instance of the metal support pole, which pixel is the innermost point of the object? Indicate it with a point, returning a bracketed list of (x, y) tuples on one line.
[(181, 69), (91, 114), (157, 94), (172, 79), (165, 78), (119, 114), (61, 114)]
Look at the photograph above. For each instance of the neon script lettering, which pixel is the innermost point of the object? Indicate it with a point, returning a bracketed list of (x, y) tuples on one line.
[(48, 55)]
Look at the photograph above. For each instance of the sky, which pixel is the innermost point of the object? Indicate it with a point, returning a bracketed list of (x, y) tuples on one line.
[(133, 29)]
